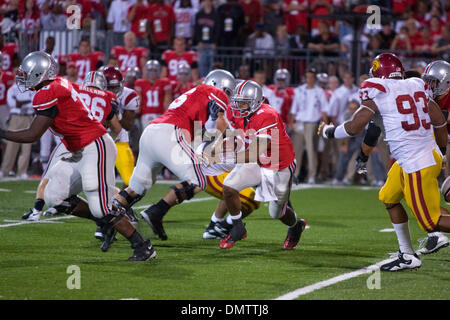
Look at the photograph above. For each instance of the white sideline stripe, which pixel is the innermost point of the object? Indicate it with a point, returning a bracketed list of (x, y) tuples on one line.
[(5, 190), (326, 283), (43, 221)]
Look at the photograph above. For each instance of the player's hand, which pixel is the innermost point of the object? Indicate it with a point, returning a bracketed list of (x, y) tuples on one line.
[(214, 110), (115, 107), (206, 159)]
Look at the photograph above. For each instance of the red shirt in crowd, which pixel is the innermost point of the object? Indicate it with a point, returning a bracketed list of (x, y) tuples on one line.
[(161, 18)]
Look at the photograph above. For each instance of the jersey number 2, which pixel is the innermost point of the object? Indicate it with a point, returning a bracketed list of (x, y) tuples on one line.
[(404, 99)]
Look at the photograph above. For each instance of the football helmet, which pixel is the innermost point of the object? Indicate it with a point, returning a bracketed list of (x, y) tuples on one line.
[(221, 79), (322, 78), (387, 66), (183, 72), (133, 73), (36, 67), (282, 77), (437, 77), (246, 99), (95, 79), (114, 80), (153, 68)]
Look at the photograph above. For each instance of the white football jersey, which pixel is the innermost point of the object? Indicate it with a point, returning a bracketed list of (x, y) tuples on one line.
[(128, 100), (403, 105)]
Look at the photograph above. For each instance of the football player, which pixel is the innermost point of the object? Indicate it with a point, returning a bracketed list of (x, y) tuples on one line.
[(281, 99), (129, 55), (85, 60), (166, 142), (170, 60), (89, 165), (128, 100), (408, 119), (266, 160), (183, 82)]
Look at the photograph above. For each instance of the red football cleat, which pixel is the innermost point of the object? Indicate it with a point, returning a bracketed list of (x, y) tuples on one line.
[(228, 242), (294, 234)]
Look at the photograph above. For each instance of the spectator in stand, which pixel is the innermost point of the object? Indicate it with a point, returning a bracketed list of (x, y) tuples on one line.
[(90, 11), (259, 76), (254, 12), (424, 46), (337, 106), (325, 43), (6, 81), (160, 25), (295, 14), (138, 17), (205, 36), (112, 62), (420, 10), (52, 16), (185, 13), (415, 37), (30, 22), (10, 54), (183, 82), (282, 42), (436, 28), (117, 19), (320, 7), (172, 58), (400, 6), (230, 24), (21, 116), (273, 16), (374, 45), (260, 43), (401, 41), (86, 60), (442, 47), (387, 34), (244, 72), (299, 40), (129, 55), (308, 108), (72, 72)]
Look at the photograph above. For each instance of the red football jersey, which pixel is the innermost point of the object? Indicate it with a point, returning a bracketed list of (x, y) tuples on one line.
[(172, 60), (6, 81), (129, 59), (8, 51), (267, 123), (178, 89), (192, 106), (282, 100), (444, 104), (87, 63), (74, 123), (97, 100), (152, 95)]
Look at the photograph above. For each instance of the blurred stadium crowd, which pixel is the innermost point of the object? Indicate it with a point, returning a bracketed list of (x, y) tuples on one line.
[(304, 62)]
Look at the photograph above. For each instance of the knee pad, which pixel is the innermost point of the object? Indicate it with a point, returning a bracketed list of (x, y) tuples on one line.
[(186, 192), (277, 209)]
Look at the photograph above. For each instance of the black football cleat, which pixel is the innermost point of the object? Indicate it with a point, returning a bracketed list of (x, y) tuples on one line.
[(109, 235), (143, 252), (27, 214), (293, 235), (404, 261), (154, 220), (238, 232), (217, 230)]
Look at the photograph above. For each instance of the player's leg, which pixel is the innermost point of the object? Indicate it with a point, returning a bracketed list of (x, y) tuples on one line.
[(391, 194), (124, 161), (241, 177), (98, 180), (177, 155)]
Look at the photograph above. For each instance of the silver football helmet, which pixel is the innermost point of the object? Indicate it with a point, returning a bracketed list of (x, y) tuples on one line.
[(183, 72), (95, 79), (133, 73), (246, 99), (221, 79), (153, 68), (437, 77), (36, 67), (282, 77)]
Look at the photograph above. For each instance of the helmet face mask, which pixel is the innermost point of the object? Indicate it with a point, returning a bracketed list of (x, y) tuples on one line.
[(247, 99), (36, 68), (437, 77), (282, 78), (153, 68)]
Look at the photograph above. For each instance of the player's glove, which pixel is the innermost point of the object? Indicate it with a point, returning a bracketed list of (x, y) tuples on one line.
[(361, 163), (214, 110), (115, 107)]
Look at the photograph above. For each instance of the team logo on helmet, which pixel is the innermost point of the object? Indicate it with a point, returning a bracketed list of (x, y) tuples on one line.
[(375, 65)]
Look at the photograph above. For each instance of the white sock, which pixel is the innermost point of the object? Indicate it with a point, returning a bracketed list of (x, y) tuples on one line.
[(215, 219), (237, 216), (229, 220), (403, 237)]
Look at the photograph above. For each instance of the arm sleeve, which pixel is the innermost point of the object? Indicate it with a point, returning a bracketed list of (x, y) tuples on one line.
[(51, 112)]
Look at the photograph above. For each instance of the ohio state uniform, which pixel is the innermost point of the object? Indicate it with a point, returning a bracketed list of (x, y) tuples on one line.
[(281, 100), (129, 59), (85, 64), (152, 95), (98, 101), (171, 60), (164, 141), (444, 104), (8, 51), (89, 164), (178, 88), (6, 81)]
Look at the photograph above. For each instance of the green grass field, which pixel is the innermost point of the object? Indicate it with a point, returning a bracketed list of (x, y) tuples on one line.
[(344, 236)]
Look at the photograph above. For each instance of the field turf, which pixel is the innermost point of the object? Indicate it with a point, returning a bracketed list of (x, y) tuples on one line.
[(344, 236)]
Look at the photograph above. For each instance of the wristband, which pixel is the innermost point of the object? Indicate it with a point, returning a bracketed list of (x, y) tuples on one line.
[(328, 131), (340, 132)]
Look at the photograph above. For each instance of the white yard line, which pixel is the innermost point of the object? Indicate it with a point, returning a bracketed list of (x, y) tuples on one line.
[(326, 283)]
